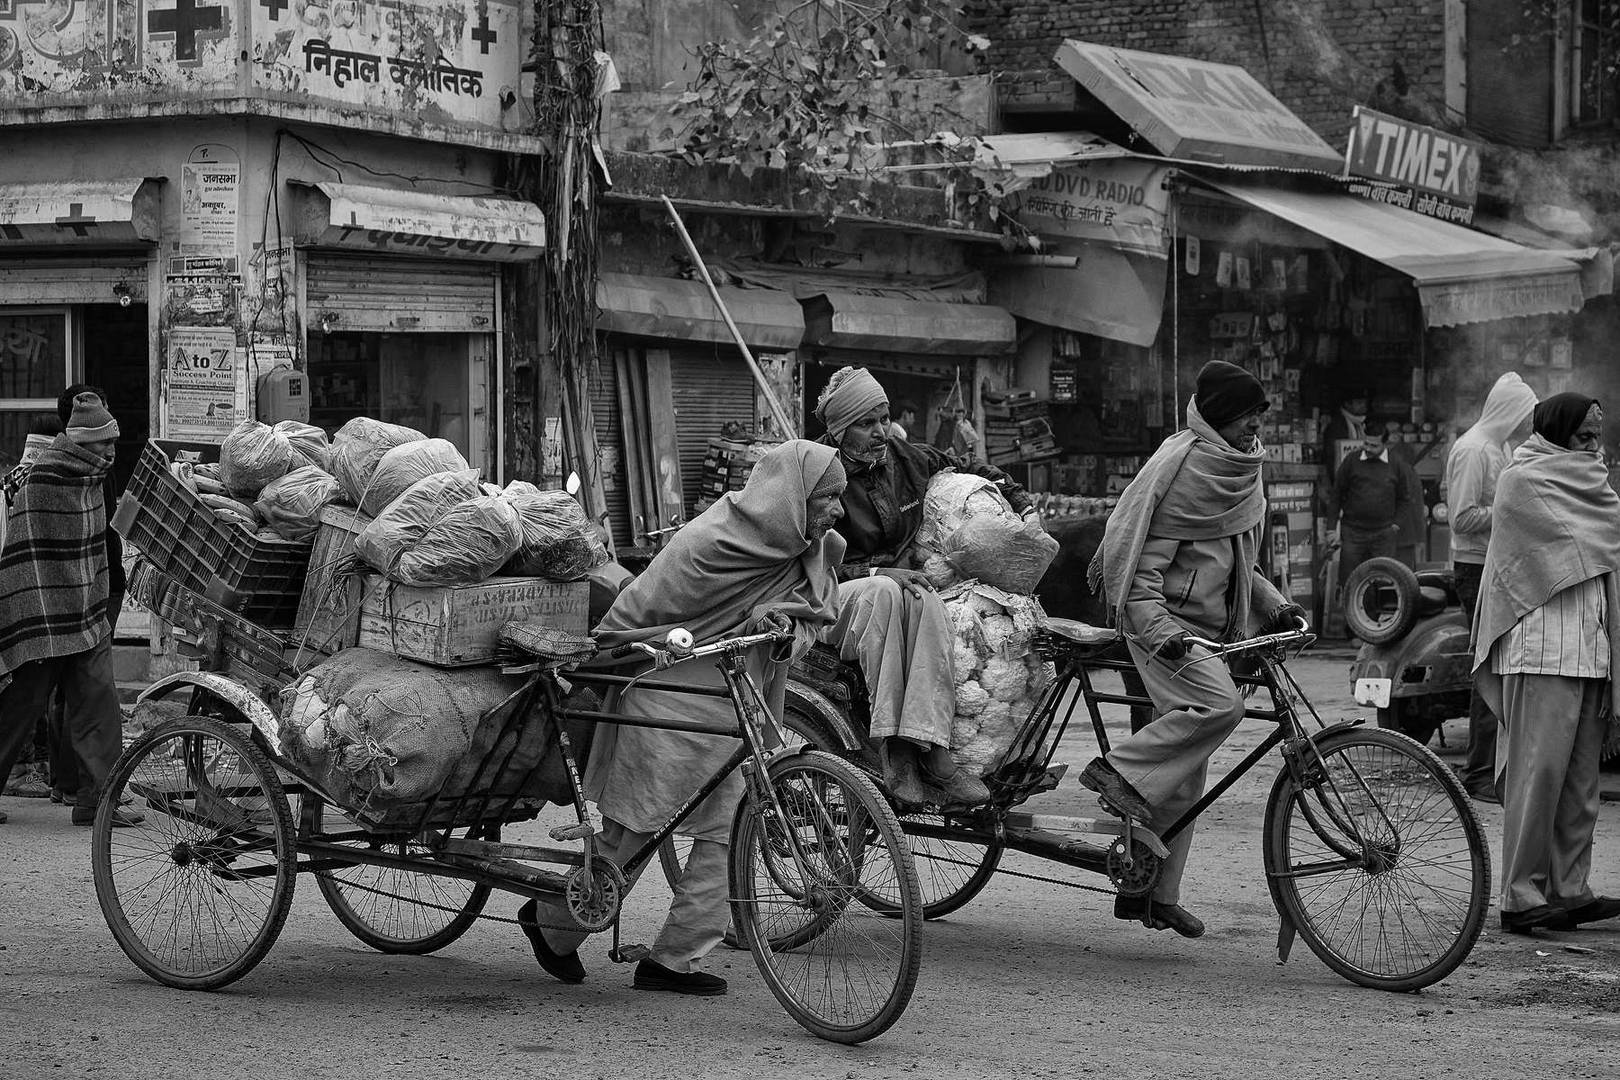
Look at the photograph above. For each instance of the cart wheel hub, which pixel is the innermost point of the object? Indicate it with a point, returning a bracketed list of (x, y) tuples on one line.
[(182, 854)]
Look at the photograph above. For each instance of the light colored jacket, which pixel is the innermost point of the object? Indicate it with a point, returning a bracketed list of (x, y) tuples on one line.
[(1476, 461), (1192, 585)]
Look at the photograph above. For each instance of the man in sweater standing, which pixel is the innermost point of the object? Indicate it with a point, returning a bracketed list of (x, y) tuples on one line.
[(1371, 496), (1475, 462)]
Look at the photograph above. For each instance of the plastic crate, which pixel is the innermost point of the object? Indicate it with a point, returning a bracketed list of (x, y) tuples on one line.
[(258, 578)]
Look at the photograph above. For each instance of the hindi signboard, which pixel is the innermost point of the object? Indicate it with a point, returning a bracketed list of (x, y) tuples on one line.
[(200, 383), (1417, 168), (1121, 202)]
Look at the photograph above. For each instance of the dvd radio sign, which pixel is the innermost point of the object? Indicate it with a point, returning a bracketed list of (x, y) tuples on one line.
[(1415, 167)]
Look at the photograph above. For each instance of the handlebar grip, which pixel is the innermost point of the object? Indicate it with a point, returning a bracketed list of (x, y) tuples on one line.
[(623, 651)]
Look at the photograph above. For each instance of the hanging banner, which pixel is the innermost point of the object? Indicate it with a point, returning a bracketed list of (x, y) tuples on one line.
[(1414, 167), (201, 398), (1122, 203)]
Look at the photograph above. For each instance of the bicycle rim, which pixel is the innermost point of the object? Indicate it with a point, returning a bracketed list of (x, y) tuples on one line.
[(196, 894), (850, 970), (950, 872), (1408, 908), (401, 911)]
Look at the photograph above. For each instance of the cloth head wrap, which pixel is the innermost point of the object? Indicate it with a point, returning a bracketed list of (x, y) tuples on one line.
[(833, 481), (1557, 418), (90, 420), (851, 394)]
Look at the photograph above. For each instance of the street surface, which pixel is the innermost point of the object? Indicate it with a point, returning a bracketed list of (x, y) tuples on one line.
[(1030, 980)]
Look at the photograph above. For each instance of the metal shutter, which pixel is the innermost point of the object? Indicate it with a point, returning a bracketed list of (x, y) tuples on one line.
[(610, 442), (712, 387), (375, 293), (72, 281)]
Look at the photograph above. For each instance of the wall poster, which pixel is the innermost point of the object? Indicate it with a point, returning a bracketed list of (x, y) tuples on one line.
[(200, 376)]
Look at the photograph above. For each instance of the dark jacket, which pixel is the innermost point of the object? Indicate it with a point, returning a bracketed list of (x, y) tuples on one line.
[(883, 504), (1370, 494)]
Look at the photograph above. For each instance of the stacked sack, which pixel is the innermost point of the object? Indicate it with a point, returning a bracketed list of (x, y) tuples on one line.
[(986, 560), (269, 481)]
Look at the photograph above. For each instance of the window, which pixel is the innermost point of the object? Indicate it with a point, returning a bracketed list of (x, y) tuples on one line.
[(34, 366), (1594, 61)]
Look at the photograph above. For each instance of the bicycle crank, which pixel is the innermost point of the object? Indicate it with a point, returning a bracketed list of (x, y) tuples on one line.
[(593, 894), (1133, 868)]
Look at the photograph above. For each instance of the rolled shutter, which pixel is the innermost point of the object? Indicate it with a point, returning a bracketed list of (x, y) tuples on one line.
[(424, 296), (712, 388)]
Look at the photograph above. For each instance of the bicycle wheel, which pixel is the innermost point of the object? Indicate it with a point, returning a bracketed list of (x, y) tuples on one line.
[(950, 872), (809, 875), (401, 911), (1379, 861), (196, 894)]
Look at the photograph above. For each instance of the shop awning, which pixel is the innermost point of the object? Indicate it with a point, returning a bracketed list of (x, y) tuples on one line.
[(1109, 294), (855, 321), (386, 221), (1462, 276), (684, 311), (82, 213)]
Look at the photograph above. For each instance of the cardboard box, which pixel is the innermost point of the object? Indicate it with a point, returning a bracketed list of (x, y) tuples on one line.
[(329, 609), (457, 625)]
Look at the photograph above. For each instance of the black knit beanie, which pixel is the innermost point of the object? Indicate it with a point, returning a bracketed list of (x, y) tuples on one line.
[(1226, 392)]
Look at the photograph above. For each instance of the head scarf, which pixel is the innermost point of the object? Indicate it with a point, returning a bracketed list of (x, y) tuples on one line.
[(1557, 418), (833, 481), (851, 394), (747, 554)]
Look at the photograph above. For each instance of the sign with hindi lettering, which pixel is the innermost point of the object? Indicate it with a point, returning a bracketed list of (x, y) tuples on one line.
[(200, 383), (1121, 202), (1414, 167)]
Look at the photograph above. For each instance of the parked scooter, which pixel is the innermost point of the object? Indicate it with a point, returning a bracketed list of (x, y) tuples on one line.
[(1415, 663)]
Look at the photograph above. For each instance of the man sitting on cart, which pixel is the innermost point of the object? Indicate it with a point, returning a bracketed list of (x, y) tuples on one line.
[(890, 621), (759, 558), (1178, 559)]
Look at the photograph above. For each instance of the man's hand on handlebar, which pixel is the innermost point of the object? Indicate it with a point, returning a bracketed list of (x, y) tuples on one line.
[(1175, 648), (1285, 619)]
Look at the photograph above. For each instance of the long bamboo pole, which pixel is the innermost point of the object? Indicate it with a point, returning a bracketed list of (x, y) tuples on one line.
[(780, 414)]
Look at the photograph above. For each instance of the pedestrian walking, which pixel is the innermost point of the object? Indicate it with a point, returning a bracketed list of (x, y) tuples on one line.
[(53, 603), (1475, 462), (1546, 650)]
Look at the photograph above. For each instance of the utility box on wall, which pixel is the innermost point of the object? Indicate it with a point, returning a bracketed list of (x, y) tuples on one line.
[(283, 395)]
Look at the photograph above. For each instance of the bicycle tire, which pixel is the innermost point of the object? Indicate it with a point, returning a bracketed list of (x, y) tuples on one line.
[(197, 893), (852, 978), (950, 872), (1405, 914), (401, 912)]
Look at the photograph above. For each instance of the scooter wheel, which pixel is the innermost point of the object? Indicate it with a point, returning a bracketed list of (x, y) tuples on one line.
[(1381, 600)]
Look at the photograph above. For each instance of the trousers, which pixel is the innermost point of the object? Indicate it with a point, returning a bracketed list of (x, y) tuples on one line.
[(1167, 761), (1479, 769), (90, 712), (1356, 546), (1554, 737), (697, 917), (903, 644)]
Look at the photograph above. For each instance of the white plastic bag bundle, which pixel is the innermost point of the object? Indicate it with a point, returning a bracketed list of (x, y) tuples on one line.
[(292, 504), (253, 455), (403, 466), (463, 547), (308, 442), (403, 522), (1003, 550), (999, 677), (357, 448), (559, 541), (952, 498)]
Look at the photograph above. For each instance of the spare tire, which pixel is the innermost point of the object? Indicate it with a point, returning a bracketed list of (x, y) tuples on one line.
[(1381, 600)]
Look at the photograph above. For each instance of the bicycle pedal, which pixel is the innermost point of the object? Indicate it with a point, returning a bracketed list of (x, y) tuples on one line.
[(577, 831), (630, 954)]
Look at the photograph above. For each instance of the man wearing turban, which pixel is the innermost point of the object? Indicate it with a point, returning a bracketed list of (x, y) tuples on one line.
[(890, 620), (759, 558)]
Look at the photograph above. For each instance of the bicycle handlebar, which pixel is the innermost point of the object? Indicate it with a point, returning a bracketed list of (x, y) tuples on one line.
[(1302, 635), (676, 650)]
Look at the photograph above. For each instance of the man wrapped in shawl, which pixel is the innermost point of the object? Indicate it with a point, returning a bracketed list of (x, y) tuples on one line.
[(761, 557), (1178, 558), (53, 604), (890, 620), (1546, 649)]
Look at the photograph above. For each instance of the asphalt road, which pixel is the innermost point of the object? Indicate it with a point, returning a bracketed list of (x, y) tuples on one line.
[(1032, 979)]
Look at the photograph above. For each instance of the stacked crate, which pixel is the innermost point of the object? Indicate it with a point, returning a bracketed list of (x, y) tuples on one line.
[(727, 466), (1017, 427)]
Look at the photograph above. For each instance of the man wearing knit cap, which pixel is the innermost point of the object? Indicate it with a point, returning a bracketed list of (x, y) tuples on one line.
[(53, 603), (890, 620), (1178, 559)]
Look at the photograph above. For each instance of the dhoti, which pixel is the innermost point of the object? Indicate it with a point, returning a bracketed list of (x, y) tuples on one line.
[(903, 645)]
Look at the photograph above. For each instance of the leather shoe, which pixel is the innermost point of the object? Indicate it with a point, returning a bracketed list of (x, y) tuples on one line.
[(1118, 796), (121, 818), (1485, 795), (651, 975), (902, 776), (962, 789), (1157, 916), (564, 967), (1540, 917), (1597, 909)]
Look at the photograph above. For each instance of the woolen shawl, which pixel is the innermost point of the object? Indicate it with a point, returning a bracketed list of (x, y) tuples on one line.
[(1196, 486), (53, 569)]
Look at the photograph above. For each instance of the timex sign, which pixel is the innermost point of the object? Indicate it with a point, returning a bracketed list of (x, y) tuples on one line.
[(1395, 151)]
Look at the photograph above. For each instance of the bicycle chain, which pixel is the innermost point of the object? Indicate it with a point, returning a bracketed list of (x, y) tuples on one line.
[(568, 927), (1028, 877)]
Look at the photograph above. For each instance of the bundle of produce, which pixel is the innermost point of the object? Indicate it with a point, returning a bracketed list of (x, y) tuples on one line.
[(253, 455), (292, 504), (999, 676), (969, 532), (951, 499), (388, 536), (403, 466), (442, 531), (559, 542), (204, 481), (357, 448), (308, 442)]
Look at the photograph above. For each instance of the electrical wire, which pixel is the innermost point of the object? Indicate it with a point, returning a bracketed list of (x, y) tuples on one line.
[(326, 157)]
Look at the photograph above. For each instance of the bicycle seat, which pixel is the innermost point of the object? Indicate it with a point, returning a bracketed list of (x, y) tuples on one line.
[(1091, 639)]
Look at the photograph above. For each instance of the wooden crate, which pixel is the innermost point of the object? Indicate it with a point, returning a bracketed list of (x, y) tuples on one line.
[(329, 608), (457, 625)]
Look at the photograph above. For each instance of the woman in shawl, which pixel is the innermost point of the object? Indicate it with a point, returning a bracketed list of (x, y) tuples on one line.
[(759, 558), (1545, 652), (1178, 558)]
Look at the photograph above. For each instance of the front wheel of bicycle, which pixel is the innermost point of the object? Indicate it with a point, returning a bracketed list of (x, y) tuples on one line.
[(1378, 861), (807, 870)]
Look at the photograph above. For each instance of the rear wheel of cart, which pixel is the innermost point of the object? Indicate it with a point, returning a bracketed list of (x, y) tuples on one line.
[(196, 893), (808, 868), (950, 872), (401, 911)]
